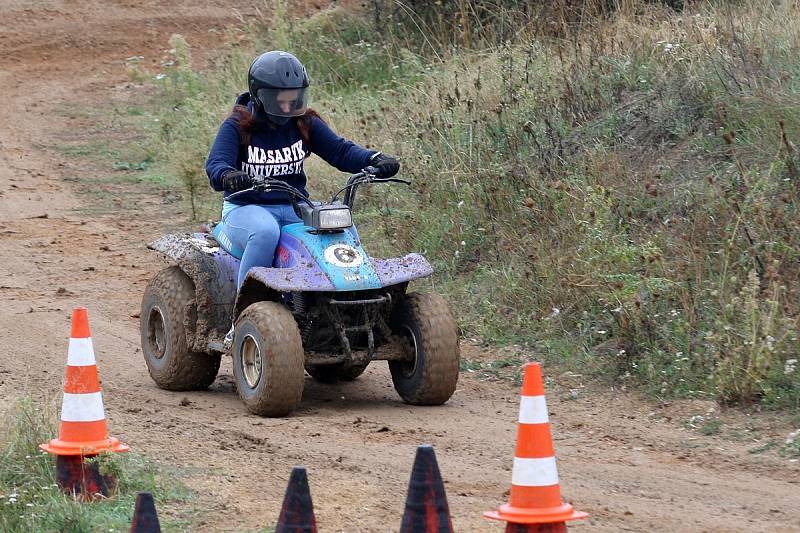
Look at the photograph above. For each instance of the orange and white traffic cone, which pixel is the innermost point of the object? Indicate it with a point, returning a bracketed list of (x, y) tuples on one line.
[(83, 431), (535, 498)]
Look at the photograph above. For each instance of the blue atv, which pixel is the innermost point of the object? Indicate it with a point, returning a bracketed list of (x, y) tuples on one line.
[(324, 306)]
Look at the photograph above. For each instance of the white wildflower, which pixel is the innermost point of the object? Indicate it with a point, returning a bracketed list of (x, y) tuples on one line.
[(790, 366), (792, 436)]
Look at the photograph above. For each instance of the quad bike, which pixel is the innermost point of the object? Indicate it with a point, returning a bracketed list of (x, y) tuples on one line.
[(324, 306)]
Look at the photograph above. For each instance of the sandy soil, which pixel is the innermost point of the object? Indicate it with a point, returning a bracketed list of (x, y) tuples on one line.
[(632, 465)]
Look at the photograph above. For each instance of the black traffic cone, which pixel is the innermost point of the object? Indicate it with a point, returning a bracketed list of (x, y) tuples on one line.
[(145, 518), (426, 503), (297, 512)]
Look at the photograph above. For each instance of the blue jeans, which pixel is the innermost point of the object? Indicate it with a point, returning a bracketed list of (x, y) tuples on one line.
[(256, 229)]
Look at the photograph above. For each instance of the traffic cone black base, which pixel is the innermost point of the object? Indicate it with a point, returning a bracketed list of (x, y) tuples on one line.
[(560, 527), (82, 478)]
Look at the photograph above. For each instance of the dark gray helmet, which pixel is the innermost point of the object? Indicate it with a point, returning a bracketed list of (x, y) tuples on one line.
[(278, 84)]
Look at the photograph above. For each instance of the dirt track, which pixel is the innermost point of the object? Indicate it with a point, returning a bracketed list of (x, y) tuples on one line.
[(631, 465)]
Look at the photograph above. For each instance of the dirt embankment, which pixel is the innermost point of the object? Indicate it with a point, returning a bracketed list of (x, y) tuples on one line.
[(72, 237)]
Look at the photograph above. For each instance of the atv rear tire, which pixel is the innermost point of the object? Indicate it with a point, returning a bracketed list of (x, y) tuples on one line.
[(337, 372), (425, 323), (268, 359), (168, 306)]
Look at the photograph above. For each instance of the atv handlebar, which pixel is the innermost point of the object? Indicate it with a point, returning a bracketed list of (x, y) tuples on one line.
[(367, 175), (262, 184)]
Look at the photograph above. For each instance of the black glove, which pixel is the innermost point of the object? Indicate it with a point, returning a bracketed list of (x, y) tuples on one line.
[(236, 180), (387, 165)]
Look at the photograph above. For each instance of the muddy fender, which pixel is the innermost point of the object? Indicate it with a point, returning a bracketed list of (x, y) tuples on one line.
[(213, 272), (255, 289), (398, 270)]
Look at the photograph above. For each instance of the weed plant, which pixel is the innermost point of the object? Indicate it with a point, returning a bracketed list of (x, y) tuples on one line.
[(616, 187), (30, 499)]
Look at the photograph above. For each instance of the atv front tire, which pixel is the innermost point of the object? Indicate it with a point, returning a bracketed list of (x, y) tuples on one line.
[(337, 372), (424, 322), (268, 359), (168, 306)]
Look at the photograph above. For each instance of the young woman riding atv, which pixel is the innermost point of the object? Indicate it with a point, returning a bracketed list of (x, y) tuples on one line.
[(291, 272), (270, 133)]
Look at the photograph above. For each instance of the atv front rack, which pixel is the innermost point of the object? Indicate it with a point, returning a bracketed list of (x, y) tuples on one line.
[(371, 309), (365, 317)]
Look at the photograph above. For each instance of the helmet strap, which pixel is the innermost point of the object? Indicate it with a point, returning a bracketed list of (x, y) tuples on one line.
[(262, 118), (278, 121)]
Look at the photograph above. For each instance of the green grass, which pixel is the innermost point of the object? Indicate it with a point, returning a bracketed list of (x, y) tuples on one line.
[(711, 426), (791, 446), (762, 448), (30, 499), (94, 150)]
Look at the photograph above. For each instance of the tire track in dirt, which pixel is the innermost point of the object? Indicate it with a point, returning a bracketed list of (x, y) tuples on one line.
[(619, 459)]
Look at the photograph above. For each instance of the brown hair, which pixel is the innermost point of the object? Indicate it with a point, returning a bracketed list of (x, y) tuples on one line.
[(246, 121)]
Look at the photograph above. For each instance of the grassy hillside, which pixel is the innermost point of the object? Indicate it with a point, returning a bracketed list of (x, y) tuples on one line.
[(616, 187)]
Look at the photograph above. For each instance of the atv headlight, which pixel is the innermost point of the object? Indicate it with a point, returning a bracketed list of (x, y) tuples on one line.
[(335, 218)]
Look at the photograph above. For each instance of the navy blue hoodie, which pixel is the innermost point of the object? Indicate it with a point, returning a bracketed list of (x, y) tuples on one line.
[(278, 152)]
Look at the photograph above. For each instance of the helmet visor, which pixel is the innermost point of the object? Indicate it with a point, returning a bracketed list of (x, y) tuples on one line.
[(283, 102)]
